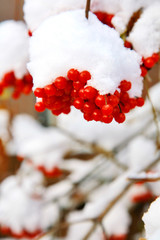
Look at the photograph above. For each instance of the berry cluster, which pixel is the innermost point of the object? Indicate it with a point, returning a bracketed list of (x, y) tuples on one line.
[(53, 173), (24, 234), (105, 18), (23, 85), (73, 90)]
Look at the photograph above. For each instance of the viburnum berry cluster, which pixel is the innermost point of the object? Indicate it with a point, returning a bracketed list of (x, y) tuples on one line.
[(19, 86), (73, 90)]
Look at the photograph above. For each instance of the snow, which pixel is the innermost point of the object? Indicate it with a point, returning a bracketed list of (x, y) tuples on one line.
[(28, 212), (43, 146), (105, 57), (13, 48), (145, 35), (151, 220), (126, 10), (4, 122)]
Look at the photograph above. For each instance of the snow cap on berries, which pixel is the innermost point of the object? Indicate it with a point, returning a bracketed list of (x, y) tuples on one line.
[(13, 48), (145, 36), (151, 220), (84, 45)]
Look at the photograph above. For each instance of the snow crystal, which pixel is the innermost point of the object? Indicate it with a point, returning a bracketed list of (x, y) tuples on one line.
[(13, 48), (151, 220), (84, 45), (145, 35)]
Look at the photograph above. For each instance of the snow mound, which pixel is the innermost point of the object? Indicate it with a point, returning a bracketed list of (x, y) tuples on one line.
[(151, 220), (13, 48), (71, 45), (145, 35)]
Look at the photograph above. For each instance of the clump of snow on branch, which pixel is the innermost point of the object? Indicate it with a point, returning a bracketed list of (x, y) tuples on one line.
[(145, 35), (29, 210), (43, 146), (13, 48), (126, 9), (4, 122), (151, 220), (81, 44)]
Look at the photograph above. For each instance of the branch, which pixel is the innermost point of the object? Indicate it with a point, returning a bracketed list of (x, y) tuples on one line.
[(88, 3)]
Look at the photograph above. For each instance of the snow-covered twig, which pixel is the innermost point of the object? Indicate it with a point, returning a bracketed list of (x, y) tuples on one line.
[(88, 3)]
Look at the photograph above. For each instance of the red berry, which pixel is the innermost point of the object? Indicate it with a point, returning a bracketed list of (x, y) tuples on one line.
[(81, 93), (67, 110), (50, 90), (116, 111), (28, 78), (73, 75), (16, 94), (77, 85), (132, 102), (113, 100), (60, 82), (143, 71), (127, 44), (108, 19), (100, 101), (116, 93), (125, 108), (68, 88), (74, 93), (100, 16), (107, 118), (56, 112), (107, 109), (8, 79), (29, 33), (120, 118), (125, 86), (87, 117), (149, 62), (90, 92), (84, 76), (27, 89), (118, 237), (78, 103), (88, 107), (96, 115), (39, 106), (155, 57), (140, 102), (39, 92), (59, 92), (124, 97)]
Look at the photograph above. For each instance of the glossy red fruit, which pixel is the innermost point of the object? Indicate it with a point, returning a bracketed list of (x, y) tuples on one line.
[(125, 108), (132, 102), (143, 71), (107, 118), (56, 112), (125, 86), (108, 19), (113, 100), (75, 93), (90, 92), (16, 94), (39, 107), (96, 115), (149, 62), (124, 97), (39, 92), (60, 82), (155, 57), (127, 44), (68, 88), (87, 117), (118, 237), (88, 107), (100, 16), (66, 110), (100, 101), (107, 109), (144, 197), (140, 102), (81, 93), (84, 76), (78, 103), (120, 118), (28, 78), (29, 33), (73, 74), (78, 85), (50, 90)]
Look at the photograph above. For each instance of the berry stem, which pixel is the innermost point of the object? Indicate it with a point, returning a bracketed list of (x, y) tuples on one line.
[(88, 3)]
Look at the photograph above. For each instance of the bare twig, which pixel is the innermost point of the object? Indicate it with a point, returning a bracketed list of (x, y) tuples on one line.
[(88, 3)]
